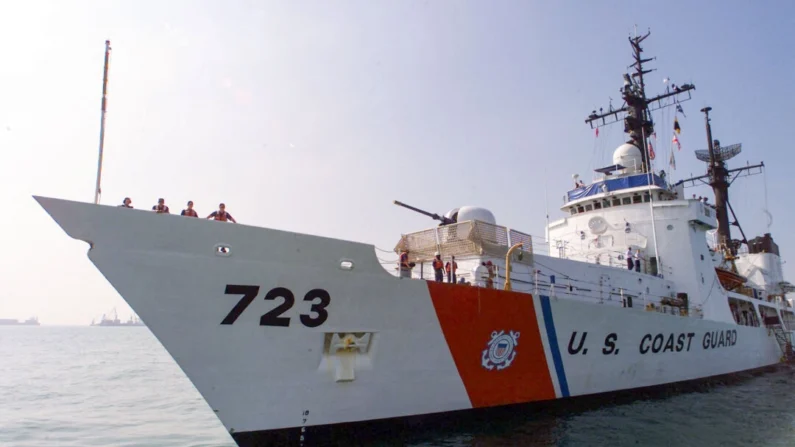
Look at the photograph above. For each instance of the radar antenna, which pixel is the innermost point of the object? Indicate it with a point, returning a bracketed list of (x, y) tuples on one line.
[(720, 178), (636, 110)]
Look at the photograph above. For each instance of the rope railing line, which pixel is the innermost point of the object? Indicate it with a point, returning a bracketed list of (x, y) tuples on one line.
[(576, 283)]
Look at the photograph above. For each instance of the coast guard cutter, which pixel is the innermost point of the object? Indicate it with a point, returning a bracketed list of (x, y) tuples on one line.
[(291, 338)]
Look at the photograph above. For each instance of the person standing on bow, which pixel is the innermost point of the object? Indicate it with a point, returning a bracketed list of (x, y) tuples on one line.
[(189, 211), (161, 207), (221, 214)]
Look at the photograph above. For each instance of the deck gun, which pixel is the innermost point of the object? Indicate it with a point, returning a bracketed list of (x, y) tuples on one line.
[(444, 220)]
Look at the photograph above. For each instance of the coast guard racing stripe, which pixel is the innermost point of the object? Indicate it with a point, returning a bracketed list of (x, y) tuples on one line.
[(554, 348), (495, 342)]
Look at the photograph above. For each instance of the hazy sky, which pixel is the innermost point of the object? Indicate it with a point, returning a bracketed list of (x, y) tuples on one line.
[(312, 116)]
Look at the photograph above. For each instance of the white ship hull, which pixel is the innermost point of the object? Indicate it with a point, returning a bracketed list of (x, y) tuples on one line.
[(419, 347)]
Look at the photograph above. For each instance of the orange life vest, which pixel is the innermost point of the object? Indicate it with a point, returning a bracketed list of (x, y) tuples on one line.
[(437, 264), (404, 260), (220, 215)]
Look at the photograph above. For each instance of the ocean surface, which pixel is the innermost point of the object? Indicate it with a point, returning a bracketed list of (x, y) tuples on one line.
[(117, 386)]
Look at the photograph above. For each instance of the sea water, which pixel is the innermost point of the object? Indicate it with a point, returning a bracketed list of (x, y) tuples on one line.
[(117, 386)]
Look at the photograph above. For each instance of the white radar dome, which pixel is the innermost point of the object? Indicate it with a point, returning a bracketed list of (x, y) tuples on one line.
[(466, 213), (628, 156)]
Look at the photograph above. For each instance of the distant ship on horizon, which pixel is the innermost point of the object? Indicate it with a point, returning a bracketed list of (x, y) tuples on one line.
[(33, 321), (105, 321)]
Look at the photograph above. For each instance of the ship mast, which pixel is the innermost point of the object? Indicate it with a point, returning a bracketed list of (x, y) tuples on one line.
[(97, 189), (637, 108), (720, 178)]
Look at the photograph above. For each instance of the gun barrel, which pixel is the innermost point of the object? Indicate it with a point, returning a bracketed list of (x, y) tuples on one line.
[(435, 216)]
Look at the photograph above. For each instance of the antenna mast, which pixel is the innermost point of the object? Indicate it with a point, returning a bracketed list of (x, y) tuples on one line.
[(97, 190), (637, 109), (720, 178)]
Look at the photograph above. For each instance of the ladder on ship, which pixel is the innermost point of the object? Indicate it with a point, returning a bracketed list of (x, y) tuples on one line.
[(784, 339)]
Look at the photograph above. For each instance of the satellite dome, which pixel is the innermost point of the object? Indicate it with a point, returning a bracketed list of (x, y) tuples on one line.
[(466, 213), (628, 156)]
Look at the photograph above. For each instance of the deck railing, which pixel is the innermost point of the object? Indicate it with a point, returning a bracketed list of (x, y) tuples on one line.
[(462, 239)]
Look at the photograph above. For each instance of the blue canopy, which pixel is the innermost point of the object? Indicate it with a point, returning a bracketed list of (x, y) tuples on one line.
[(616, 184)]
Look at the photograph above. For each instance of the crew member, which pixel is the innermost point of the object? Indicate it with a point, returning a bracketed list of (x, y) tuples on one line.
[(438, 267), (403, 264), (189, 211), (637, 260), (127, 203), (630, 264), (490, 279), (221, 214), (161, 207), (450, 268)]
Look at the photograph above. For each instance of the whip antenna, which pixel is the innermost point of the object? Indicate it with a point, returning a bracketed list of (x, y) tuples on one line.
[(98, 190)]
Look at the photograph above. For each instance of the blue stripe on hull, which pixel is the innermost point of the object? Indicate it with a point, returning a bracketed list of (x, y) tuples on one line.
[(553, 346)]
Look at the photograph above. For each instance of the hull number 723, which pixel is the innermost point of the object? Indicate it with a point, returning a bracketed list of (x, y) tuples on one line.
[(274, 317)]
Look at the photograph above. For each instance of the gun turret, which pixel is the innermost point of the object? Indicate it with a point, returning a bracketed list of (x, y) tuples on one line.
[(444, 220)]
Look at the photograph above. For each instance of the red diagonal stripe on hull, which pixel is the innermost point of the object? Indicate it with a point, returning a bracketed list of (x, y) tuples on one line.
[(468, 317)]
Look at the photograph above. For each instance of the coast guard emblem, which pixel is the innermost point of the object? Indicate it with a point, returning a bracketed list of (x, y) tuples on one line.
[(500, 351)]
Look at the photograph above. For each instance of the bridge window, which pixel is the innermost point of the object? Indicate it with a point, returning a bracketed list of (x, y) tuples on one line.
[(626, 201), (605, 203), (597, 206), (616, 202), (588, 208), (636, 199)]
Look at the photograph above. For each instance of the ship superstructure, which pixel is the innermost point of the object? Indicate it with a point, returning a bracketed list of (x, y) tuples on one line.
[(291, 337), (630, 210)]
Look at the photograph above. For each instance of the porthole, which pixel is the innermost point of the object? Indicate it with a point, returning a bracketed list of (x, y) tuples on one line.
[(346, 264), (222, 250)]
